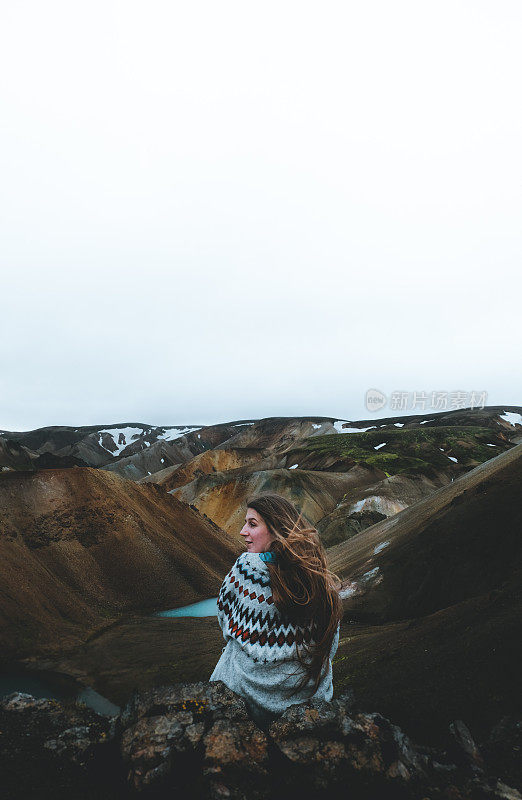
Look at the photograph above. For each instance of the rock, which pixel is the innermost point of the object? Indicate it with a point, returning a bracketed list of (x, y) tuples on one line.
[(20, 701), (503, 750), (48, 748), (197, 741), (462, 746), (172, 732), (507, 792), (237, 743), (235, 760), (328, 746), (200, 699), (74, 742), (481, 788)]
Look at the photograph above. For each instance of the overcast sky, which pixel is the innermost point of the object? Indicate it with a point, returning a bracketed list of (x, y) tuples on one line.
[(215, 211)]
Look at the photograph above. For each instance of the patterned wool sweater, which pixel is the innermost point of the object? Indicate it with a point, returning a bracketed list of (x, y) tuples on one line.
[(259, 660), (247, 613)]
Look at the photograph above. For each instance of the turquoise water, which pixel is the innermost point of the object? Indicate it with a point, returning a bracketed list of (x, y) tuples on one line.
[(54, 687), (205, 608), (60, 687)]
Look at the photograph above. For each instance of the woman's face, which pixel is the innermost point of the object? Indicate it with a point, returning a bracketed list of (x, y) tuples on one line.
[(255, 532)]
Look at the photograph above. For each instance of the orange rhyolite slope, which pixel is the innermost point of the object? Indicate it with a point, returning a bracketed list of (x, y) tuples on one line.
[(80, 546)]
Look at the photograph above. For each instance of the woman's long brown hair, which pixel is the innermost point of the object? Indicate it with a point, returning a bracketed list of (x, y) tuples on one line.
[(303, 587)]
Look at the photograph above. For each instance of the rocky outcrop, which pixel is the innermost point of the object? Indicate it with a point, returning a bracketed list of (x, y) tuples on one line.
[(198, 741), (56, 750)]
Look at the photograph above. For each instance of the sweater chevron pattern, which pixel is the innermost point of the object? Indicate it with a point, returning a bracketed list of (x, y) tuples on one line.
[(247, 613)]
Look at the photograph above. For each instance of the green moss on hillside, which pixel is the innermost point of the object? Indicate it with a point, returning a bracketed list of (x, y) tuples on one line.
[(410, 450)]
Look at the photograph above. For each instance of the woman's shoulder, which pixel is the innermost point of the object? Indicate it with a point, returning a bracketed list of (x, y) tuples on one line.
[(252, 561)]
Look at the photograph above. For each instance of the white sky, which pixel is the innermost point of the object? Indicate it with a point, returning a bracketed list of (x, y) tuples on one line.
[(217, 211)]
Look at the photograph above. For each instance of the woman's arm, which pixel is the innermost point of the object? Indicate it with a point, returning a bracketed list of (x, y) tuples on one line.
[(225, 591), (222, 620)]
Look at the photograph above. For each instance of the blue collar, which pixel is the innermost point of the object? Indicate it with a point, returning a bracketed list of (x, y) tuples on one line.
[(268, 556)]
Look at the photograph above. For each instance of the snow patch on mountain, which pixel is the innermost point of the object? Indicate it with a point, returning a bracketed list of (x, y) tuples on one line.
[(512, 417), (339, 429), (174, 433), (374, 502), (122, 438)]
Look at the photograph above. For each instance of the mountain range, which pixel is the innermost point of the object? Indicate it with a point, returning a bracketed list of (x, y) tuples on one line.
[(101, 526)]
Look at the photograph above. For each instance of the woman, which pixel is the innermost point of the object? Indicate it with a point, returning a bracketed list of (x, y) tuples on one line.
[(279, 611)]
